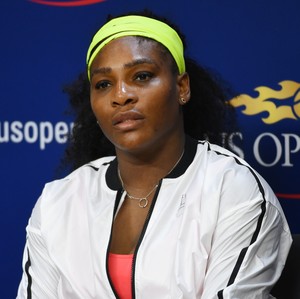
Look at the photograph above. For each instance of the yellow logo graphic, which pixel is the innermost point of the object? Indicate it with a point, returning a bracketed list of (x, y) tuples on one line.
[(272, 101)]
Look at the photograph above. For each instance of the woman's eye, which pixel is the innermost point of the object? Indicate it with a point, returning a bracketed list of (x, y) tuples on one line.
[(144, 76), (102, 85)]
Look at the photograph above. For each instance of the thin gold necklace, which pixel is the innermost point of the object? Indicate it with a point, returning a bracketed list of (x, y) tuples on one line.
[(143, 201)]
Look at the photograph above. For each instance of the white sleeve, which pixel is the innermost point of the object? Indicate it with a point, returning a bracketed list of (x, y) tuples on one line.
[(40, 277), (250, 245)]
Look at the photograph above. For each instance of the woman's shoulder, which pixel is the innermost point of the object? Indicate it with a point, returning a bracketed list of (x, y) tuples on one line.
[(85, 170), (238, 180), (226, 169), (217, 154), (82, 180), (75, 191)]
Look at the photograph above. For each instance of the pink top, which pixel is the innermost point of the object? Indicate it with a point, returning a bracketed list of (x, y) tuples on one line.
[(120, 268)]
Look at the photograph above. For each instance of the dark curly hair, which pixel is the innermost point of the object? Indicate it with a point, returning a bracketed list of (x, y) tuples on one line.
[(206, 116)]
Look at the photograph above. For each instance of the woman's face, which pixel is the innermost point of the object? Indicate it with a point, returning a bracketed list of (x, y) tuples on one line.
[(135, 94)]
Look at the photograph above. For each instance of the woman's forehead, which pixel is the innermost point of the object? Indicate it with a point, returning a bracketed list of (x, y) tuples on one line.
[(135, 46), (136, 40)]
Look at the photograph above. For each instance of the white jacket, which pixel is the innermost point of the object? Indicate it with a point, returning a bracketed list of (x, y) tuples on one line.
[(215, 230)]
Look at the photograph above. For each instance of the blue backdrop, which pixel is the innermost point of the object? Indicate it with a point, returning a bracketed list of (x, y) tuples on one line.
[(254, 45)]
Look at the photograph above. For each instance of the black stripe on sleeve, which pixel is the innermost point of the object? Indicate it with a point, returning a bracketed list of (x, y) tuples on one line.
[(257, 229), (93, 167), (29, 278)]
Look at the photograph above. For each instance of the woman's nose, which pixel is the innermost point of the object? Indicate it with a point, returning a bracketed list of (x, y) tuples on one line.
[(124, 94)]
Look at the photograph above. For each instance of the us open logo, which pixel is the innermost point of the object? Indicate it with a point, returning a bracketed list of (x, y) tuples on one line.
[(67, 3), (279, 105)]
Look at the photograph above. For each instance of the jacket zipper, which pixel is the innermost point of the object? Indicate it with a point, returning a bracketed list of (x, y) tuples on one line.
[(118, 198), (141, 239), (117, 201)]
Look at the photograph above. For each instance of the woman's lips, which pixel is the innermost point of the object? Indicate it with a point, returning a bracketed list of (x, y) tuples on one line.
[(127, 120)]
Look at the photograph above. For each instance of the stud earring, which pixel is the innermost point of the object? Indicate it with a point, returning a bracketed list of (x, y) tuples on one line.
[(183, 101)]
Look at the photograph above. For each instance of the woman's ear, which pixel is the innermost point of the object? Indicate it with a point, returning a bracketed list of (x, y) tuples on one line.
[(183, 82)]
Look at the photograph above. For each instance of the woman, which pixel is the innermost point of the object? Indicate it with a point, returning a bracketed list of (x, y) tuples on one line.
[(166, 217)]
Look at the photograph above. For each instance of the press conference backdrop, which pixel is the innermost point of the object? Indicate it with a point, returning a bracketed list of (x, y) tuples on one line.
[(253, 45)]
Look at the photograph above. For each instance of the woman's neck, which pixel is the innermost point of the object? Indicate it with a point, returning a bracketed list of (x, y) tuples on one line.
[(142, 171)]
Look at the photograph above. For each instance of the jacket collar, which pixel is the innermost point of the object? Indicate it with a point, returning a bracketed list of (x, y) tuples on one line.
[(190, 149)]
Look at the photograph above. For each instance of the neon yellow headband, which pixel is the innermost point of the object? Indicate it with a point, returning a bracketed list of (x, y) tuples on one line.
[(137, 26)]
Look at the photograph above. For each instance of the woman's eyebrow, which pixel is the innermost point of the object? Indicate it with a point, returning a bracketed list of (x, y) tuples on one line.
[(101, 70), (107, 70), (139, 61)]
